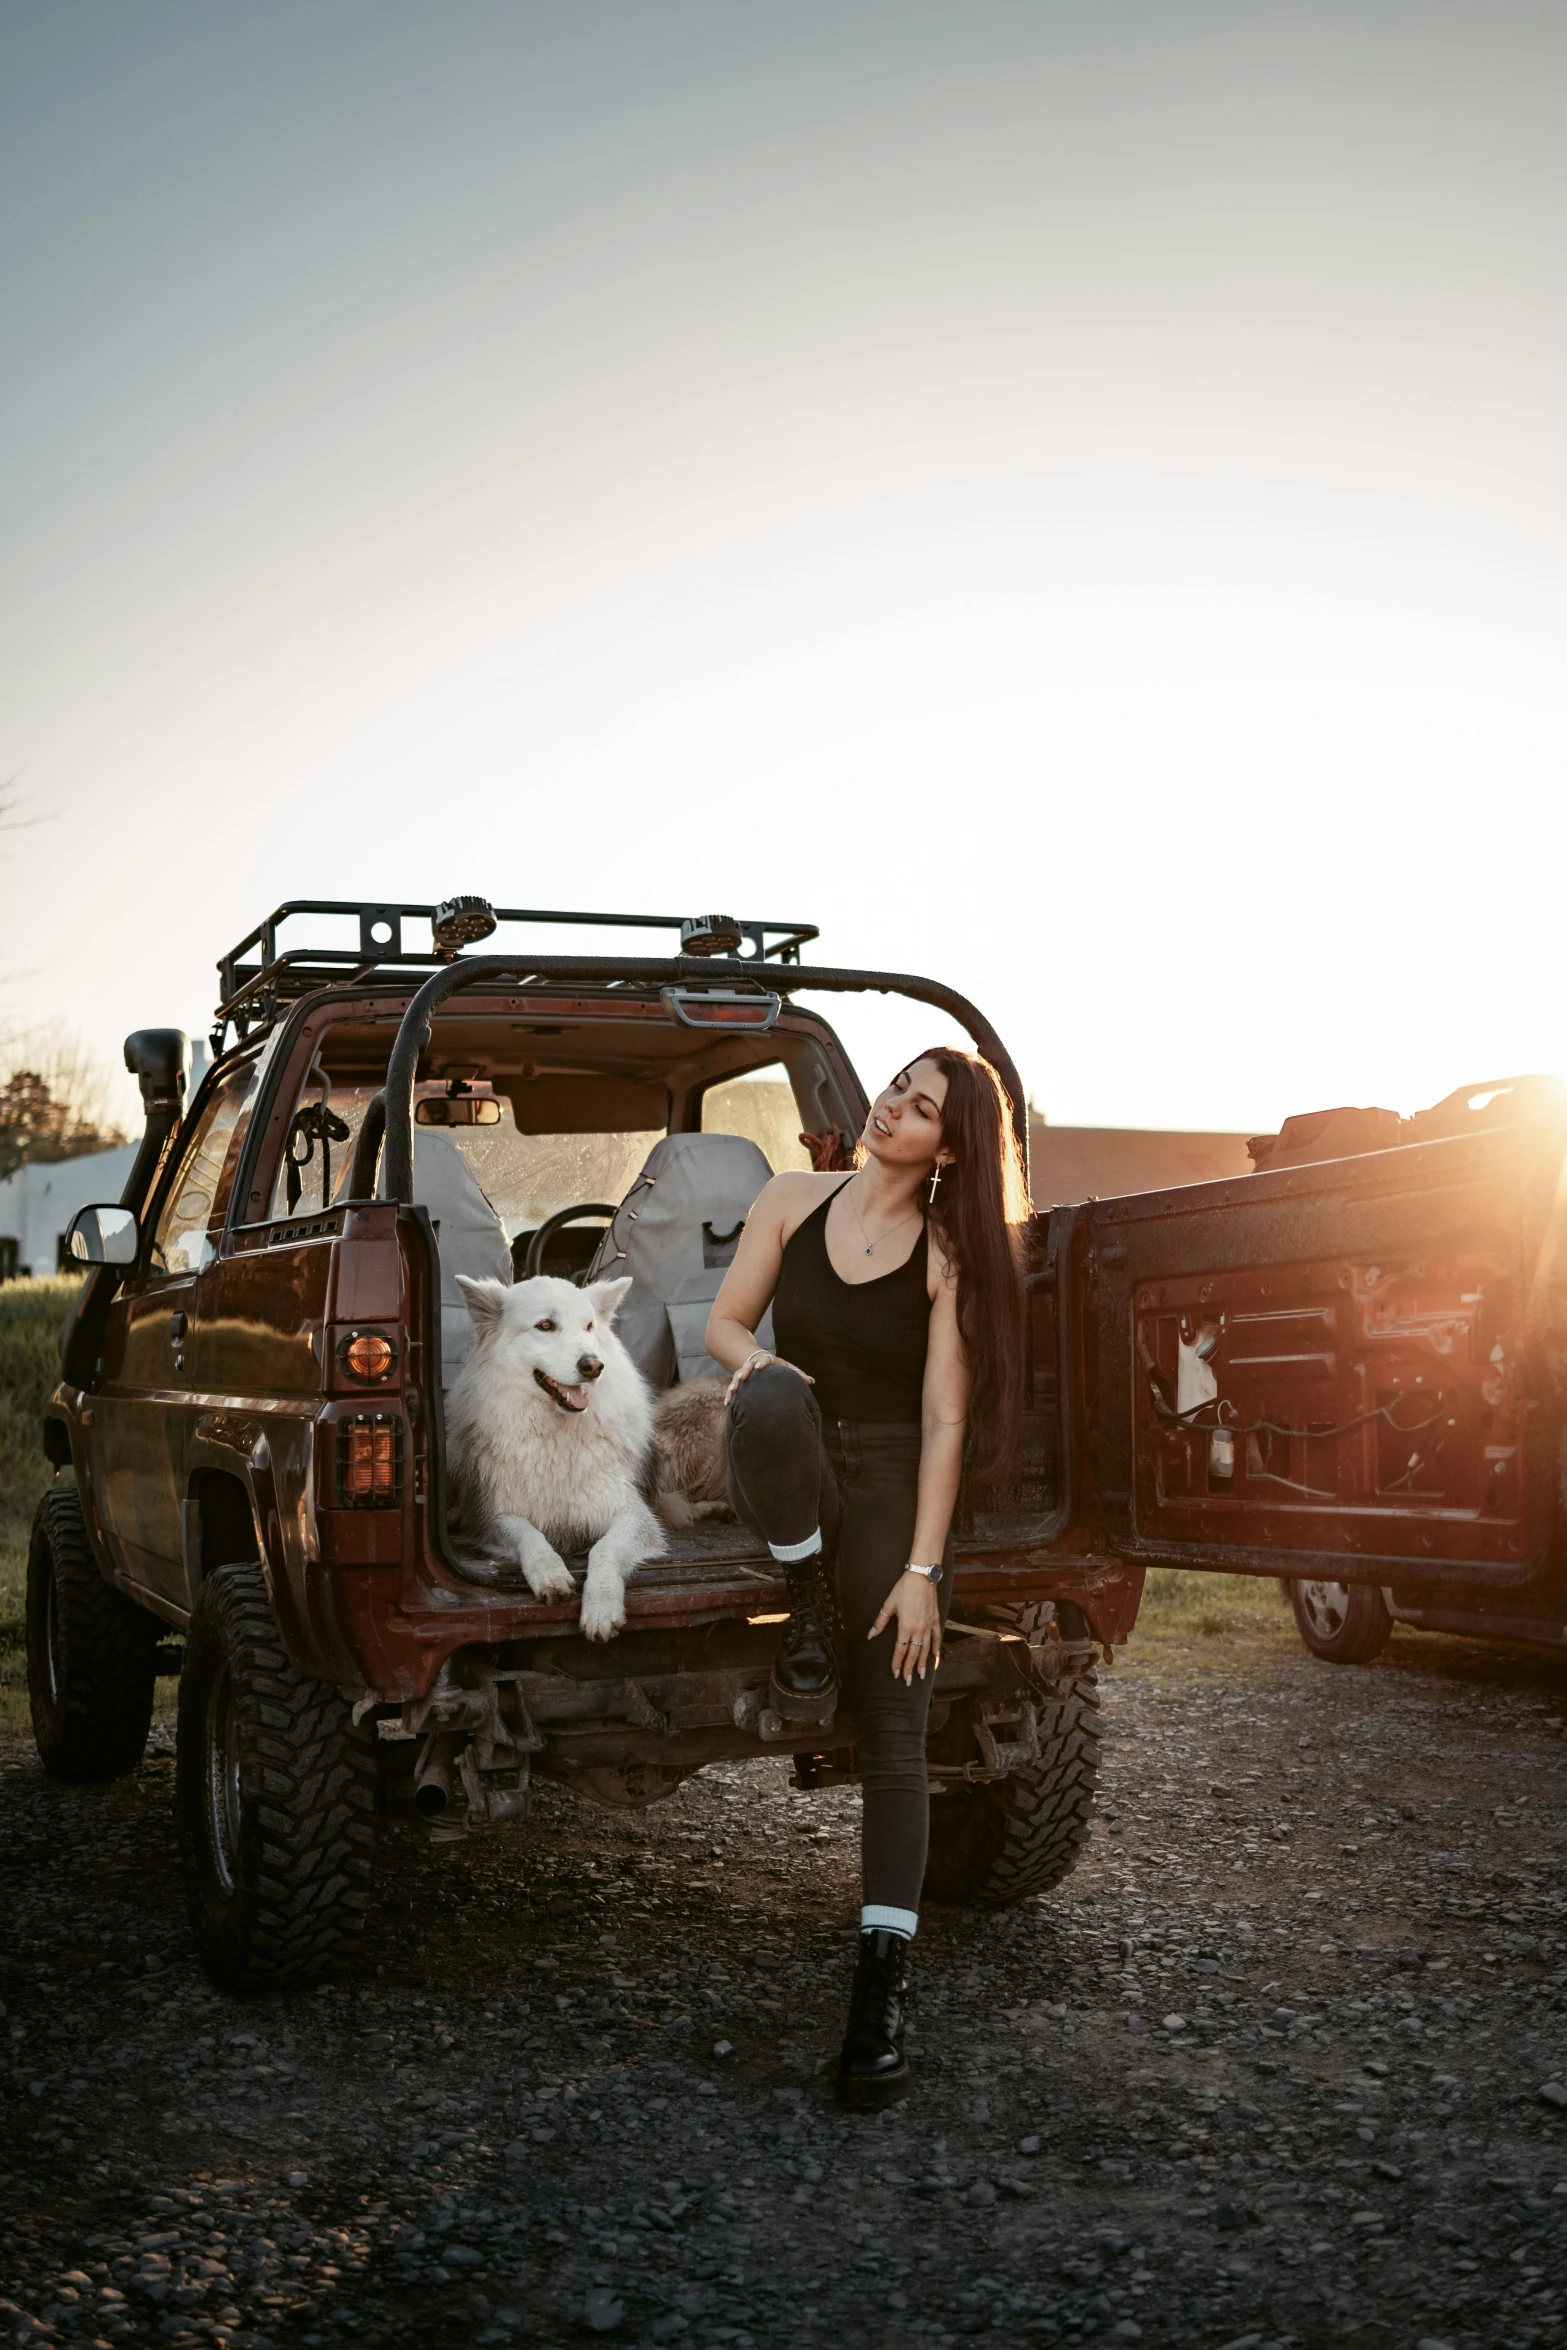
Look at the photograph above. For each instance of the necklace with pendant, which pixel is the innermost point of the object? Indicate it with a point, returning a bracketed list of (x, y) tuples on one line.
[(871, 1246)]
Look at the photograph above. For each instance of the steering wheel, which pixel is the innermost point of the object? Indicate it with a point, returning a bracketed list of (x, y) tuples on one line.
[(534, 1262)]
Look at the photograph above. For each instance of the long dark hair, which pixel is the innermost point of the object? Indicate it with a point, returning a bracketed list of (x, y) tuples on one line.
[(979, 1215)]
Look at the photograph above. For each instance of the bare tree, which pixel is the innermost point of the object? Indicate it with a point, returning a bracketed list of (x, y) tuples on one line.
[(56, 1102)]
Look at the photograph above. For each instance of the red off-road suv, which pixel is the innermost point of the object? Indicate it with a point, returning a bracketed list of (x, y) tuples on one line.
[(249, 1427), (1346, 1369)]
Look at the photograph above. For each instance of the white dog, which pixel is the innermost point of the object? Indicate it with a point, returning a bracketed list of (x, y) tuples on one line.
[(549, 1429)]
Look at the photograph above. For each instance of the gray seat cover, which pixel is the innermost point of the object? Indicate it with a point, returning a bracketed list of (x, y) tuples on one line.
[(469, 1237), (675, 1233)]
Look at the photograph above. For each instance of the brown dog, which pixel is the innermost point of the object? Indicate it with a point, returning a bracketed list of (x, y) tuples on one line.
[(688, 1453)]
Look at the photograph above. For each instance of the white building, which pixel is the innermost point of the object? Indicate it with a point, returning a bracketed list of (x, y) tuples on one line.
[(38, 1202)]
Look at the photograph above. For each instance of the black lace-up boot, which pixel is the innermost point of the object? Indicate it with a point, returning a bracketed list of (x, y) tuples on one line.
[(805, 1671), (873, 2069)]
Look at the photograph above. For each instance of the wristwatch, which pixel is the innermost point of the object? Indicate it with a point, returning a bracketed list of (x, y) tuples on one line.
[(932, 1574)]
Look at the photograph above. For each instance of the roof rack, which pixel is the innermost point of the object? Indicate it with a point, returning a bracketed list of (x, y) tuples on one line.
[(250, 992)]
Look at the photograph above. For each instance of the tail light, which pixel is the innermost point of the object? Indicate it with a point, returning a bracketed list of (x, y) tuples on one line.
[(368, 1355), (370, 1461)]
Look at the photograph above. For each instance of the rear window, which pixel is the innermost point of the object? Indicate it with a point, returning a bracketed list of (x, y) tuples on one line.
[(761, 1106)]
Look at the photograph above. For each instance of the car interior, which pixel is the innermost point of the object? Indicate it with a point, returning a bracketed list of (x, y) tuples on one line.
[(529, 1134)]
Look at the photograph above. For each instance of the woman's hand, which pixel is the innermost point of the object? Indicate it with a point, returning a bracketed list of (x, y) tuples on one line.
[(913, 1601), (753, 1362)]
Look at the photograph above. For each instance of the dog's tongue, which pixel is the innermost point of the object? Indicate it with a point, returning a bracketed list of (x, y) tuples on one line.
[(576, 1397)]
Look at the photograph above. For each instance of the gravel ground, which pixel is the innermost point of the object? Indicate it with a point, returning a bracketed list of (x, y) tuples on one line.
[(1284, 2063)]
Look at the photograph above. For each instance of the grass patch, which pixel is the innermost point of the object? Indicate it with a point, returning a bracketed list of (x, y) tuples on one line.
[(31, 1313), (1182, 1603)]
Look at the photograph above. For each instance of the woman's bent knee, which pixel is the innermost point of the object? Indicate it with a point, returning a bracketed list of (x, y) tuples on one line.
[(773, 1397)]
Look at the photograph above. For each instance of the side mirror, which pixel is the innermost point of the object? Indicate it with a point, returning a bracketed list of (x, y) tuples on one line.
[(103, 1236)]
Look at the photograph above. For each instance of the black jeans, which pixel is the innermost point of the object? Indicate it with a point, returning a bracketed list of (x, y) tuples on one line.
[(790, 1472)]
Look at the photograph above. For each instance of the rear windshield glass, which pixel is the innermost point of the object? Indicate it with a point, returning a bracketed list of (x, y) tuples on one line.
[(761, 1106)]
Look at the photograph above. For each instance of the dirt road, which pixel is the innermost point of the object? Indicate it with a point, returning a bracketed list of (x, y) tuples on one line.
[(1285, 2062)]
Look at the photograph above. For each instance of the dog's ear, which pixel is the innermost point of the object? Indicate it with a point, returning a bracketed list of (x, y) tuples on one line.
[(607, 1296), (485, 1301)]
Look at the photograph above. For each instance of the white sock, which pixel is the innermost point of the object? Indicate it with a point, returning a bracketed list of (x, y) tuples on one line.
[(787, 1552), (877, 1918)]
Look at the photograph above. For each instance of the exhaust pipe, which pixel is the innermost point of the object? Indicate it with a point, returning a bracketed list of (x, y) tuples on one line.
[(435, 1778), (452, 1795)]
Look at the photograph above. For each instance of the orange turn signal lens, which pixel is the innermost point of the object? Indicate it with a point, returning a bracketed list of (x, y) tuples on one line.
[(369, 1356), (369, 1462)]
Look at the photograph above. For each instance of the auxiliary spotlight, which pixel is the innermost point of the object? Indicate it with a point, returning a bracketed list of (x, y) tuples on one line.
[(461, 922), (710, 934)]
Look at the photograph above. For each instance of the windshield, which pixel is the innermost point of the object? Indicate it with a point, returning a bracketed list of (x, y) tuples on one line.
[(525, 1177)]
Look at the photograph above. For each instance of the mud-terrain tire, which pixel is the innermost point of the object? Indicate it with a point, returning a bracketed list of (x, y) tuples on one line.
[(1345, 1623), (995, 1843), (90, 1661), (275, 1792)]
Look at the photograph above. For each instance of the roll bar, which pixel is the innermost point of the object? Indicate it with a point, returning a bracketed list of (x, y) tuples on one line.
[(397, 1165)]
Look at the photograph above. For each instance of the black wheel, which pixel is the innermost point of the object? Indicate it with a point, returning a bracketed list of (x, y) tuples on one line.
[(994, 1843), (1347, 1623), (90, 1663), (276, 1796)]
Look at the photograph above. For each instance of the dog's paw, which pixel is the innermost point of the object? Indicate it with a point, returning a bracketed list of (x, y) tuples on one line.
[(603, 1611), (547, 1581)]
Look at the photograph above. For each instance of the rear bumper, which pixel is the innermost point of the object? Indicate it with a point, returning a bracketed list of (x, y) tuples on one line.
[(398, 1646), (624, 1722)]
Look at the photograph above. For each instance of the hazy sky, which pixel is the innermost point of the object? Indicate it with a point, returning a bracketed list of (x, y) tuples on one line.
[(1071, 498)]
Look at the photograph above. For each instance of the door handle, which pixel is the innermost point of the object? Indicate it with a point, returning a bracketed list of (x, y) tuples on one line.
[(176, 1326)]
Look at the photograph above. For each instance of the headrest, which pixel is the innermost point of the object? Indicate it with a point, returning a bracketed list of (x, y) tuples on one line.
[(675, 1233)]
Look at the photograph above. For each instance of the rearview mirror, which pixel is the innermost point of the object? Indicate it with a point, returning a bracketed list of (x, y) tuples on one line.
[(457, 1109), (103, 1236)]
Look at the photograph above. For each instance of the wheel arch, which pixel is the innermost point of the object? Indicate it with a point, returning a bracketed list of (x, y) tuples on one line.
[(227, 1530), (231, 1517)]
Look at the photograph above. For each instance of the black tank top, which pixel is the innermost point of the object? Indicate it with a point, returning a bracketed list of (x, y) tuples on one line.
[(863, 1342)]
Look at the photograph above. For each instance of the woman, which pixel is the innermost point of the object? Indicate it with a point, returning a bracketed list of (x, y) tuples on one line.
[(897, 1310)]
